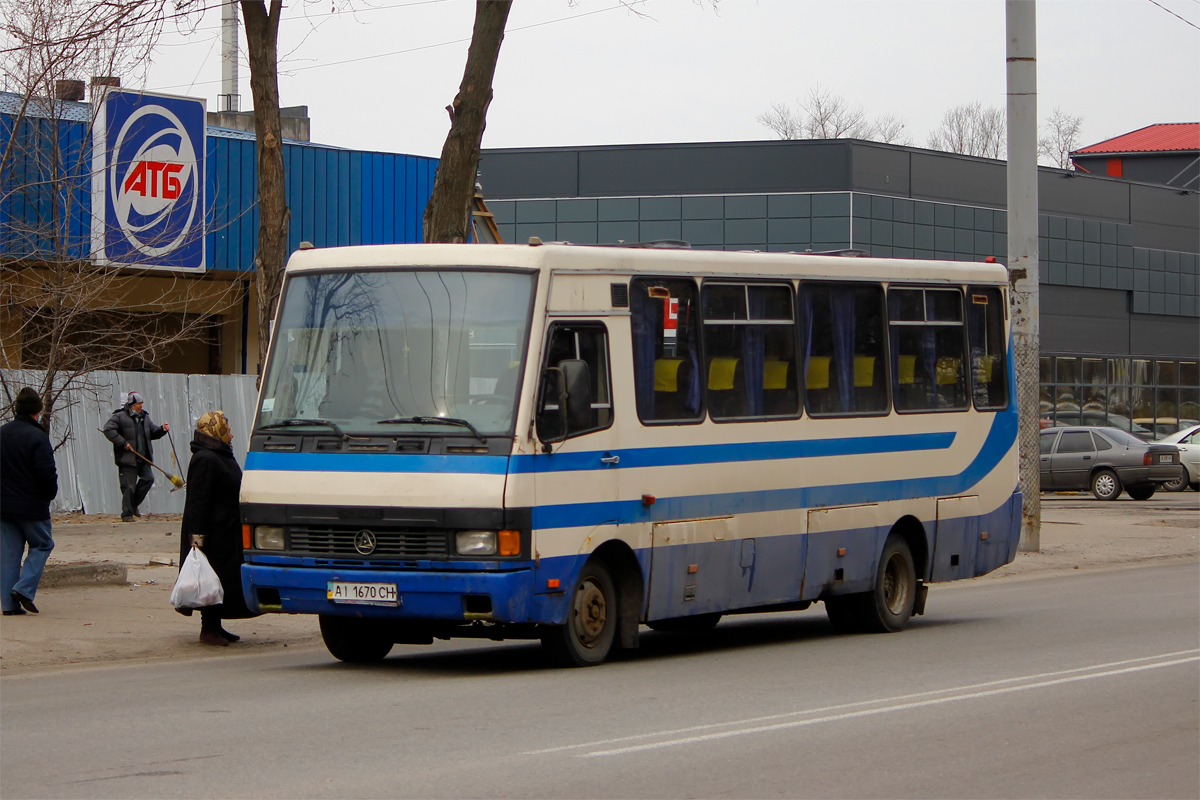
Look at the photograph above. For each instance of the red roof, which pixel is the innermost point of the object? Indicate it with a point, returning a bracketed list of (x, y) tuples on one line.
[(1167, 138)]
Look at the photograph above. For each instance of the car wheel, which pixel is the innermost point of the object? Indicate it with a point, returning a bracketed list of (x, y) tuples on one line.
[(1141, 492), (1180, 484), (1106, 485)]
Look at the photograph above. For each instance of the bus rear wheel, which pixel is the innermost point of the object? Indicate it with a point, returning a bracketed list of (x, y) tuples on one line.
[(587, 637), (887, 607), (354, 640)]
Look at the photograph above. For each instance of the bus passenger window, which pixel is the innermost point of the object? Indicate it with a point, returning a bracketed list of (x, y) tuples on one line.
[(587, 342), (842, 328), (666, 350), (928, 369), (985, 329), (749, 346)]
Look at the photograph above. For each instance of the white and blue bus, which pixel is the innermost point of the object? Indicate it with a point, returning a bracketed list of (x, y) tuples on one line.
[(563, 443)]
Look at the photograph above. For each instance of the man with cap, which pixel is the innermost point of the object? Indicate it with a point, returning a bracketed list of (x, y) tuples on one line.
[(28, 482), (131, 430)]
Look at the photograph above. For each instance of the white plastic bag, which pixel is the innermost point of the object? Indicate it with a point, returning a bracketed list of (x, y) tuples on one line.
[(197, 585)]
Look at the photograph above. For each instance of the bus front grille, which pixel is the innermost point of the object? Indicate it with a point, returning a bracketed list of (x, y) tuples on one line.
[(403, 543)]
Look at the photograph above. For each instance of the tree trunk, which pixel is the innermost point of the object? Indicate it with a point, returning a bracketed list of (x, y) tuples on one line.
[(448, 213), (262, 36)]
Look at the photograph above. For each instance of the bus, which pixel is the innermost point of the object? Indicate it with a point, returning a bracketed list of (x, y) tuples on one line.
[(566, 442)]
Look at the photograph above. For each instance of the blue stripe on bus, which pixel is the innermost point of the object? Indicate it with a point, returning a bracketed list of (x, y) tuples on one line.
[(730, 453), (376, 462), (1000, 440), (575, 462)]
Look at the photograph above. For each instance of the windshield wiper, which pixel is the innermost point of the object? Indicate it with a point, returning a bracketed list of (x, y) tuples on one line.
[(460, 423), (293, 423)]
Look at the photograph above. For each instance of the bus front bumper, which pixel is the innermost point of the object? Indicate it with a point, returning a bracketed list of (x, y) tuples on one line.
[(421, 595)]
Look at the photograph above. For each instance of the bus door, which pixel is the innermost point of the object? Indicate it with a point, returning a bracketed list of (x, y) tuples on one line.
[(575, 485)]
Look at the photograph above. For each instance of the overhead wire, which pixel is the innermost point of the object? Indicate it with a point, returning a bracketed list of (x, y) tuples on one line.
[(418, 48)]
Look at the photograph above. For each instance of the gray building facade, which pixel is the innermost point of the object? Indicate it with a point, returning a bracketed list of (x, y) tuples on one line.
[(1120, 260)]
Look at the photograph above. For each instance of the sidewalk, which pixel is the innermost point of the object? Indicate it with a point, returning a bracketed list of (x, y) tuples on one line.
[(106, 624)]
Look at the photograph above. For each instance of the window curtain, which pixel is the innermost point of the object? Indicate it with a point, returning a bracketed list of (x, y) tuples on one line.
[(687, 324), (806, 323), (644, 324), (841, 304), (753, 353)]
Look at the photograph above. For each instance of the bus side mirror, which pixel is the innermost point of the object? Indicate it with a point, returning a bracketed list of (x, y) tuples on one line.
[(566, 403), (577, 385)]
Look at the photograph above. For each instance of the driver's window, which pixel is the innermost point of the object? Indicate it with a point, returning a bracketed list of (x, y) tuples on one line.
[(587, 342)]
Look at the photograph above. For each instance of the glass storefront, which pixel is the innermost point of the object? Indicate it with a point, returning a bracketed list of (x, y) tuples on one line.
[(1148, 397)]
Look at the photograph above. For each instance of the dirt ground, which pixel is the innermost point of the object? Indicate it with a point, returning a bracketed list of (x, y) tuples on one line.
[(97, 625)]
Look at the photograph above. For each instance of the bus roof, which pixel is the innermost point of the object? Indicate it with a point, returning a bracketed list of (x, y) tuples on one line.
[(559, 257)]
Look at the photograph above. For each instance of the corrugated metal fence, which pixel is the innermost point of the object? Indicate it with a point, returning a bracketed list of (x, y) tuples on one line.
[(87, 476)]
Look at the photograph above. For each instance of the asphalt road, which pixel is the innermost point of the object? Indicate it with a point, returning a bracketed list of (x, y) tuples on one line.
[(1085, 685)]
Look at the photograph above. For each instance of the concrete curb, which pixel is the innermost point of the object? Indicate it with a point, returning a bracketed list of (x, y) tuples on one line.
[(108, 572)]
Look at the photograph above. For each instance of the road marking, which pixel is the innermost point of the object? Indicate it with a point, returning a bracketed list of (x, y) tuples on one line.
[(791, 714), (883, 710)]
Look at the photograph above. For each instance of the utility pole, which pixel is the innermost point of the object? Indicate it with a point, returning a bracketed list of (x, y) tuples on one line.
[(1020, 18)]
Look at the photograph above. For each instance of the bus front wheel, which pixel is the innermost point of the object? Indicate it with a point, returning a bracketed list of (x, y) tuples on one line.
[(354, 640), (587, 637)]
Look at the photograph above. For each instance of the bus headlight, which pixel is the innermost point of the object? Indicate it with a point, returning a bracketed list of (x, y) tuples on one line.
[(268, 538), (475, 543)]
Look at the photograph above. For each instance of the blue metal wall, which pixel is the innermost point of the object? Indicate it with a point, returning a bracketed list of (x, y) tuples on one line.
[(42, 212), (336, 197)]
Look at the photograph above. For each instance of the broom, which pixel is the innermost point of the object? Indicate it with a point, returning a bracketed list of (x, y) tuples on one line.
[(175, 480)]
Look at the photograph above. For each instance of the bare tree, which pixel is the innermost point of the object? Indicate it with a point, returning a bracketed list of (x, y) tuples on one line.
[(274, 216), (972, 129), (831, 116), (786, 123), (448, 213), (1062, 137), (60, 312), (825, 115)]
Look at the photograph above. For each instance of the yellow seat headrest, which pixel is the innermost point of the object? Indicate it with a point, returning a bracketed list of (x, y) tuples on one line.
[(666, 374), (775, 374), (720, 373)]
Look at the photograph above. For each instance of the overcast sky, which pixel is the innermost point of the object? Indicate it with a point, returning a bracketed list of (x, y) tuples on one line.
[(592, 72)]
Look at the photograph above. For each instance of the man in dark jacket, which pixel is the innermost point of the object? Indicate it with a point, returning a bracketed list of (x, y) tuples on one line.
[(28, 482), (131, 430)]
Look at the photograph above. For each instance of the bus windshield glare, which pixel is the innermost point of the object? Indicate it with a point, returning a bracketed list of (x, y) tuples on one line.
[(366, 350)]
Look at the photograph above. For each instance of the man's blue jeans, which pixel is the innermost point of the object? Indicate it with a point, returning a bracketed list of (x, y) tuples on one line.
[(15, 577)]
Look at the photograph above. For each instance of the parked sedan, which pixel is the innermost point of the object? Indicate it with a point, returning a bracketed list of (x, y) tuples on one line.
[(1105, 460), (1188, 442)]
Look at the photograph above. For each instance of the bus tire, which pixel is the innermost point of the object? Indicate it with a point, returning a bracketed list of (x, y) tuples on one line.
[(890, 605), (354, 640), (697, 623), (587, 637)]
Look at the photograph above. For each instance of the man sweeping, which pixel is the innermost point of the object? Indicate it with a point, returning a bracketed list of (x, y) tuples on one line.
[(131, 430)]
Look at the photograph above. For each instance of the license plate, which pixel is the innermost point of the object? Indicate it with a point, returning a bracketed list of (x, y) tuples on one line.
[(363, 594), (1164, 459)]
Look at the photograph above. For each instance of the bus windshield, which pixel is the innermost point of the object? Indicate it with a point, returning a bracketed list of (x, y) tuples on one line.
[(382, 352)]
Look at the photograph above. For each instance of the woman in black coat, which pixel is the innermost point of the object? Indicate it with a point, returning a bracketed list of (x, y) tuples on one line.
[(210, 513)]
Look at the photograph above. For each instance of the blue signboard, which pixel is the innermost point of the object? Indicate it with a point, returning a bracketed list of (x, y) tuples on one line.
[(148, 181)]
